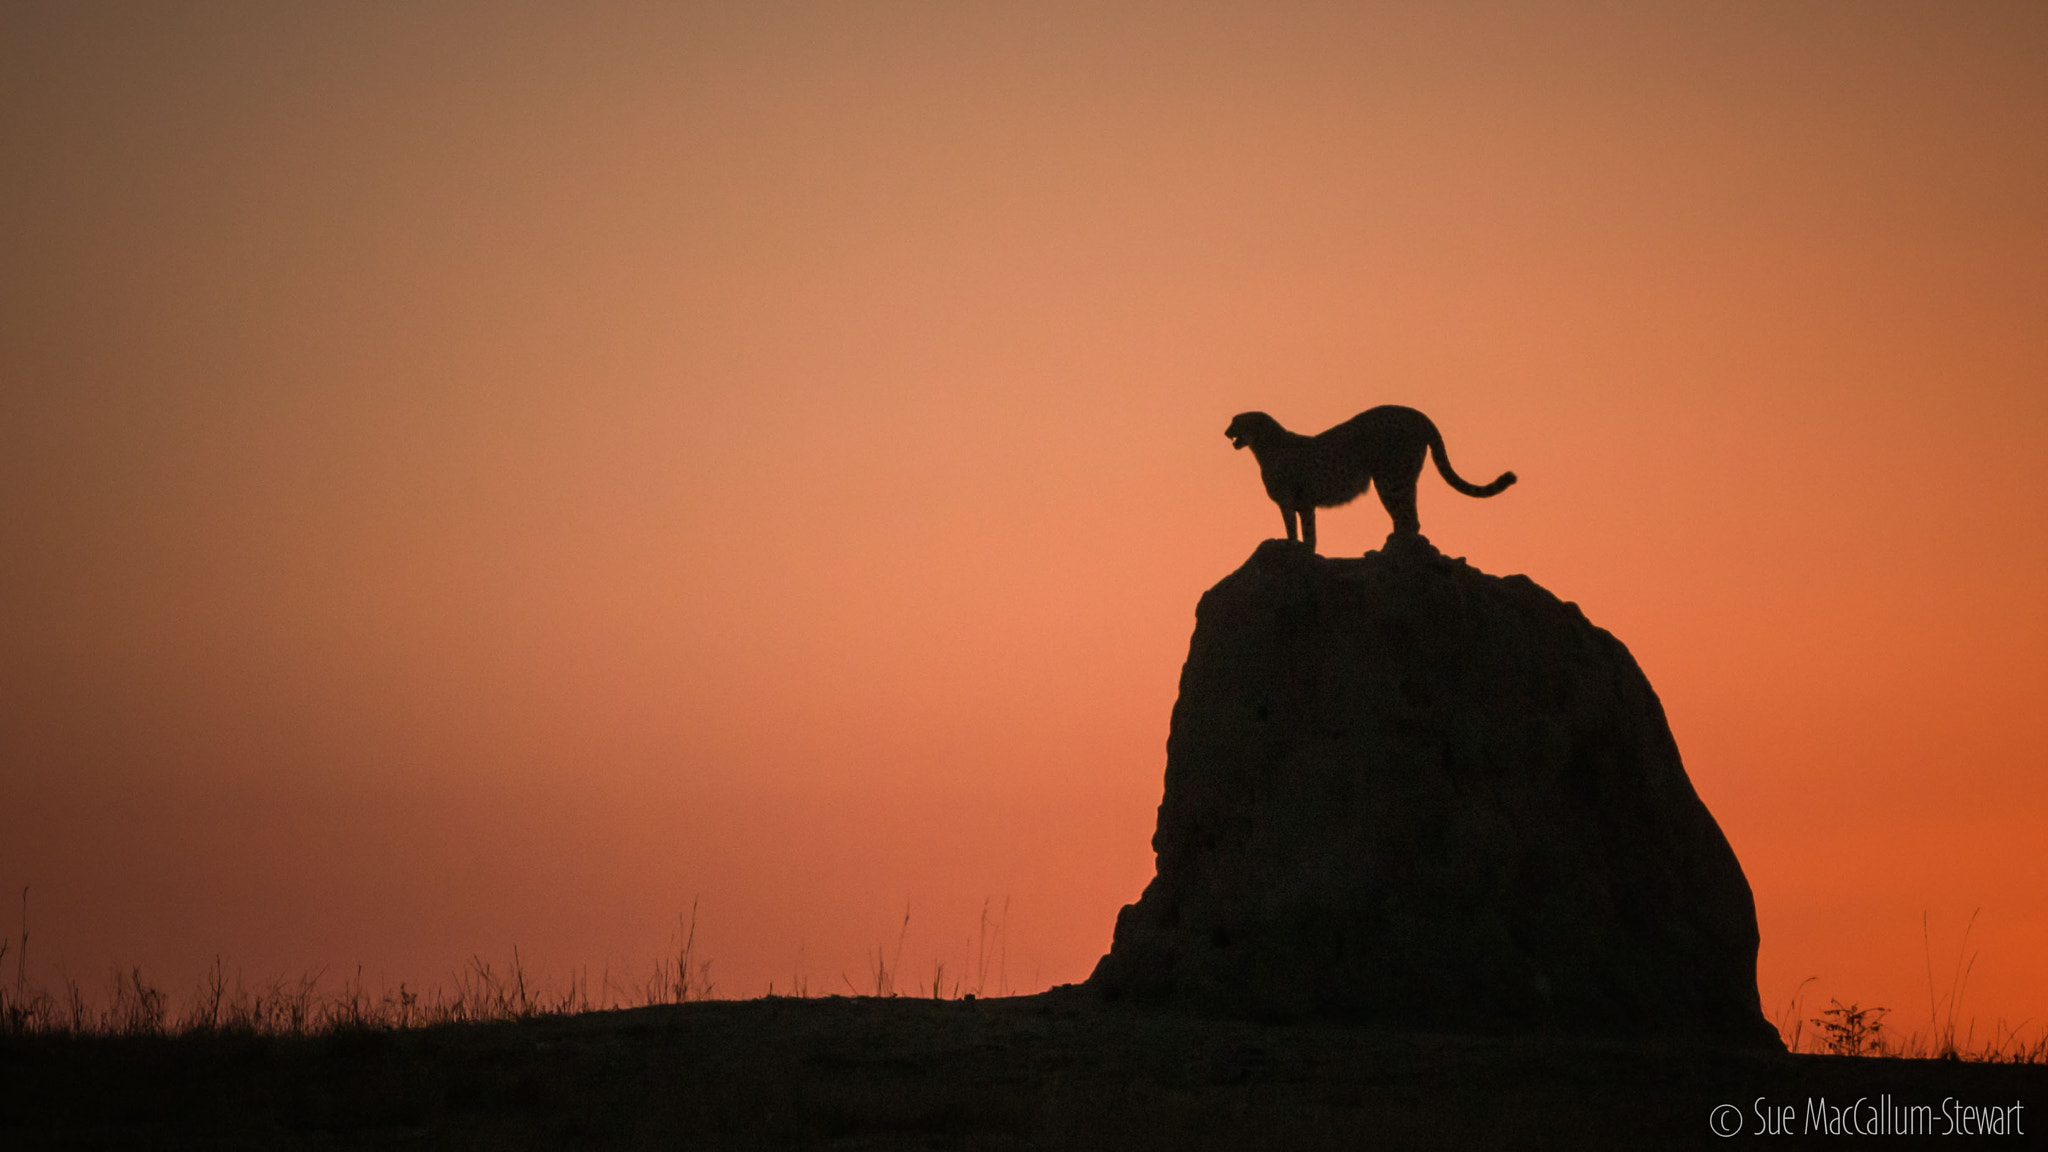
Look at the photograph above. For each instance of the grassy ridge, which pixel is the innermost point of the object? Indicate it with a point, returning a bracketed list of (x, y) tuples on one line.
[(1057, 1070)]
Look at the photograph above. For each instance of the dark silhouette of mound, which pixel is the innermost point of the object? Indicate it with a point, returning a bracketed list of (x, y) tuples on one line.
[(1401, 790)]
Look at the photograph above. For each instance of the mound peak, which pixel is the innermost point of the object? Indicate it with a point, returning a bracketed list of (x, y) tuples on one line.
[(1401, 790)]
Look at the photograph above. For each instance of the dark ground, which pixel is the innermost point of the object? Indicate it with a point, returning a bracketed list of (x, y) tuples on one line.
[(1061, 1070)]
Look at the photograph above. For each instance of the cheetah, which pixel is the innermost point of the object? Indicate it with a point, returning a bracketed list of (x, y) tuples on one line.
[(1382, 446)]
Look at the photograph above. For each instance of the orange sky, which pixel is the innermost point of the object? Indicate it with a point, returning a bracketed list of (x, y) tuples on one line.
[(490, 475)]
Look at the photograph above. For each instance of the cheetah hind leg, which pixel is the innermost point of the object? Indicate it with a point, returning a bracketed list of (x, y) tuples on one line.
[(1397, 495)]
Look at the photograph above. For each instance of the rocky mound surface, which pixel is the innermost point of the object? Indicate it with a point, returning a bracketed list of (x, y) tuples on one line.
[(1401, 790)]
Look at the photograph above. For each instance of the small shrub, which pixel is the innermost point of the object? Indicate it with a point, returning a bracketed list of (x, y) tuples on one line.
[(1850, 1030)]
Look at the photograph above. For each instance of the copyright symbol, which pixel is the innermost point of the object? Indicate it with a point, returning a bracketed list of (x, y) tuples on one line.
[(1725, 1120)]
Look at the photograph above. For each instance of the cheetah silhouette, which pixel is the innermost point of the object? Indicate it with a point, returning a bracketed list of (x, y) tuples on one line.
[(1381, 446)]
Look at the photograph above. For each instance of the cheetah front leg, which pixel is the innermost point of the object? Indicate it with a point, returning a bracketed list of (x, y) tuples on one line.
[(1308, 527), (1287, 514)]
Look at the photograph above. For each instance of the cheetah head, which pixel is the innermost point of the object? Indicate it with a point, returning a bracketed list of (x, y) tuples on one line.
[(1248, 428)]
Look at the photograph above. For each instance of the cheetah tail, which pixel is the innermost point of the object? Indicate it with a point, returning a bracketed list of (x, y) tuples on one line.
[(1443, 465)]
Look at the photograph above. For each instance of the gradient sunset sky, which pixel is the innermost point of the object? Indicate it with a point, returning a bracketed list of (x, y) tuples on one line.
[(476, 475)]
